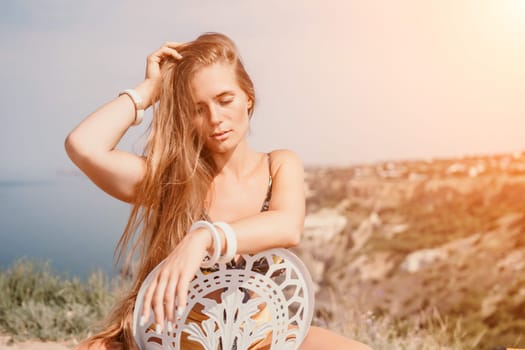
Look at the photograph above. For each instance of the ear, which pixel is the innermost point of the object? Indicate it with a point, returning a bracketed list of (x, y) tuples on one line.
[(250, 103)]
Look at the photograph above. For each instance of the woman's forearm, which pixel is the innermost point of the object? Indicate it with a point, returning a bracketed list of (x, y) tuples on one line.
[(266, 230), (102, 130), (92, 147)]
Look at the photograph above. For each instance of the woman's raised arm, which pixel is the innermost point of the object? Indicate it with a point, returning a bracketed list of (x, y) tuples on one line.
[(91, 145)]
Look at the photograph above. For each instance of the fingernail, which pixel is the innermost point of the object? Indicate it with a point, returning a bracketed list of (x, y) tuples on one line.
[(157, 329), (142, 321), (170, 327), (180, 310)]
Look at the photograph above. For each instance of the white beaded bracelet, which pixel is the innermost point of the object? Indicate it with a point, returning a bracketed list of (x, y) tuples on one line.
[(231, 241), (217, 246), (137, 102)]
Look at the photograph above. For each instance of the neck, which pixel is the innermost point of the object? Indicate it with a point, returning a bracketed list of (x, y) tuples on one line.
[(234, 162)]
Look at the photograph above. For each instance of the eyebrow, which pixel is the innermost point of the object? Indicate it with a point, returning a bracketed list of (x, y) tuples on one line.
[(222, 94)]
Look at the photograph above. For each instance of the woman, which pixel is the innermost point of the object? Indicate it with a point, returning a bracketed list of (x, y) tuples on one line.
[(196, 164)]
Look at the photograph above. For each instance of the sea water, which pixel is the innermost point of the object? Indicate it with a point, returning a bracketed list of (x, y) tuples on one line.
[(66, 221)]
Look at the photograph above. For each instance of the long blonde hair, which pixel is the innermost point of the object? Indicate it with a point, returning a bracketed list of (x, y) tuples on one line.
[(179, 172)]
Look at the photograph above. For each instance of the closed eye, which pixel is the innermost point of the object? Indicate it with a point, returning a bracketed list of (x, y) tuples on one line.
[(226, 101)]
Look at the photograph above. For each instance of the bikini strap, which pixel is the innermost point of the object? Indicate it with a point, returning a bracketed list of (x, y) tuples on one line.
[(266, 204)]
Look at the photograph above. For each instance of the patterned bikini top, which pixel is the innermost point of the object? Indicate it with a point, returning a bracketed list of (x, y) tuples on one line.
[(259, 266)]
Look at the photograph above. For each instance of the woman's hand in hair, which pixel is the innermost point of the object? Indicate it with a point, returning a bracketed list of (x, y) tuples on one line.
[(173, 278), (153, 65)]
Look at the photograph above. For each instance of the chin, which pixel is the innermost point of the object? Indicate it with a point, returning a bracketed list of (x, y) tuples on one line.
[(214, 148), (224, 148)]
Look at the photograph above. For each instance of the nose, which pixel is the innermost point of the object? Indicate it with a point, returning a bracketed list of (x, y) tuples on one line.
[(215, 117)]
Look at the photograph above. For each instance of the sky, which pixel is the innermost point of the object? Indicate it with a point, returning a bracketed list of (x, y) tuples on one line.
[(338, 82)]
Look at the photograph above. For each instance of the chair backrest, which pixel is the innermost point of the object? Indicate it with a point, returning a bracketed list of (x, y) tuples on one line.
[(269, 297)]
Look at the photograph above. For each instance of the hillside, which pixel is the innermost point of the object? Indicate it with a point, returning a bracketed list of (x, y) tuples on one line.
[(407, 239)]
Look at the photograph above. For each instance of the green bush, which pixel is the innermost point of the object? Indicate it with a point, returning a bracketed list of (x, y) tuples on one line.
[(35, 302)]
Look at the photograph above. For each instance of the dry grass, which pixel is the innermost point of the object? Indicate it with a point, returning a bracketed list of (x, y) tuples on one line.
[(37, 303)]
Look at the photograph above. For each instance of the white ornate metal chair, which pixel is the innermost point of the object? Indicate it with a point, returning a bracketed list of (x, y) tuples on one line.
[(269, 297)]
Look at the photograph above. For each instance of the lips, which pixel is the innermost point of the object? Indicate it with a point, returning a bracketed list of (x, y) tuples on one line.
[(221, 135)]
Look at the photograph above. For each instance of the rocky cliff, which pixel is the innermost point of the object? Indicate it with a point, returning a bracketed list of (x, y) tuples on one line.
[(404, 238)]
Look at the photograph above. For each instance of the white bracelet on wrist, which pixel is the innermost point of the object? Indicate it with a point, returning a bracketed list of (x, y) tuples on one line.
[(137, 102), (231, 241), (217, 246)]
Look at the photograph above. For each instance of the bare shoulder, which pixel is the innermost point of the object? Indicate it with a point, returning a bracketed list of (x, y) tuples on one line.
[(288, 185), (284, 158)]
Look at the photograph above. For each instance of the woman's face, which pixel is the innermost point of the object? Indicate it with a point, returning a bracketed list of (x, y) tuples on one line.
[(222, 107)]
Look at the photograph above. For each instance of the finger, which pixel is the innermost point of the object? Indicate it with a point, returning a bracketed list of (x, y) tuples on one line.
[(146, 305), (168, 51), (174, 53), (182, 294), (169, 299), (172, 44), (163, 53), (158, 301)]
